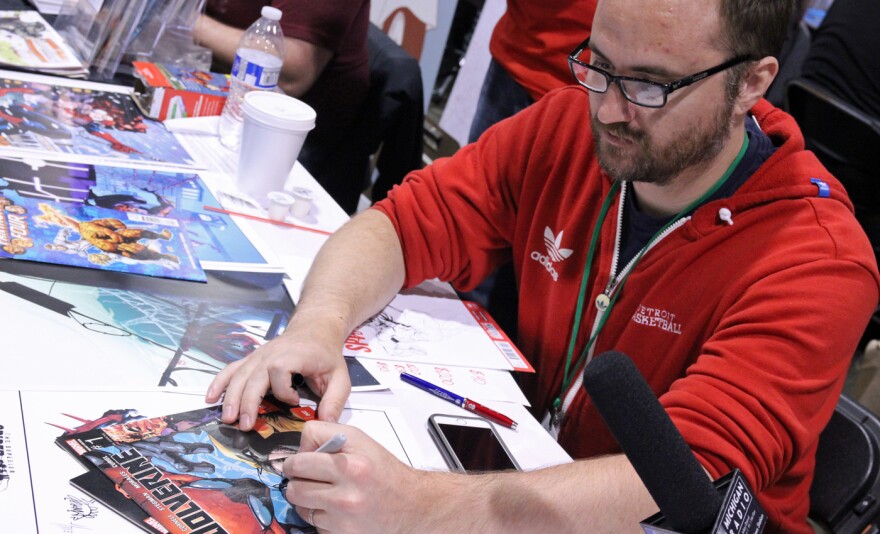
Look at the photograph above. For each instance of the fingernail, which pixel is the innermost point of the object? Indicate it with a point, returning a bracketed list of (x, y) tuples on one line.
[(228, 413), (210, 393), (246, 421)]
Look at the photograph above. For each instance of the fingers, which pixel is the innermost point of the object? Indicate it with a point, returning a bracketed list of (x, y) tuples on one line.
[(218, 385), (281, 380), (243, 396)]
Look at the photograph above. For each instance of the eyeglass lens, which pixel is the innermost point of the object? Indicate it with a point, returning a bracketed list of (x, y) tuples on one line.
[(645, 94)]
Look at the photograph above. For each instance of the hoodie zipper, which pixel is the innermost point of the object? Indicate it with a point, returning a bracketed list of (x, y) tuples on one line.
[(610, 288)]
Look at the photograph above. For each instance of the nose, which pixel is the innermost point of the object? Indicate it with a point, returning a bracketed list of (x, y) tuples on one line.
[(613, 106)]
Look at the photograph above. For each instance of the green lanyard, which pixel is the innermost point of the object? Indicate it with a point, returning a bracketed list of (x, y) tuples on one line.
[(603, 212)]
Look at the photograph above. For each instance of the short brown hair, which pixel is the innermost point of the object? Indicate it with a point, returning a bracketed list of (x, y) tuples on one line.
[(755, 27)]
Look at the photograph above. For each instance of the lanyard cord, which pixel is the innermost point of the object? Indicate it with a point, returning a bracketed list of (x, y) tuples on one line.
[(582, 292)]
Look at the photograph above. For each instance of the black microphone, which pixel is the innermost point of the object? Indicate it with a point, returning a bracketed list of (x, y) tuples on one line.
[(689, 502)]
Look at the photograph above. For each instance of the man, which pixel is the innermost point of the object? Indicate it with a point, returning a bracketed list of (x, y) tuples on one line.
[(742, 312), (326, 66)]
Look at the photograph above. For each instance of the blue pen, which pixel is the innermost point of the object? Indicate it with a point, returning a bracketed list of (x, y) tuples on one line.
[(467, 404)]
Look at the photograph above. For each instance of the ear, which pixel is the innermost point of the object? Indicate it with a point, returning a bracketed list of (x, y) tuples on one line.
[(758, 78)]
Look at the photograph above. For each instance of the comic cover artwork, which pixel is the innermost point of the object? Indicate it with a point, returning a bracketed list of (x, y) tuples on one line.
[(150, 193), (97, 238), (51, 117), (193, 473), (162, 332), (27, 40)]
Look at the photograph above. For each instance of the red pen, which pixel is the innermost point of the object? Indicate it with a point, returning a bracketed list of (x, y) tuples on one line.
[(467, 404)]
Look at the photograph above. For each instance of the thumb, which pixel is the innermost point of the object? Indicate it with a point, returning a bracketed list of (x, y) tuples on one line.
[(334, 397), (316, 433)]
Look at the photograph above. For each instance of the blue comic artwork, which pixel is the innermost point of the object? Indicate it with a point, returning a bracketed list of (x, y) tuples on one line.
[(48, 116)]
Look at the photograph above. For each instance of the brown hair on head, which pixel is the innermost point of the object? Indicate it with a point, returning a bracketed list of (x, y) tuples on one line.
[(755, 27)]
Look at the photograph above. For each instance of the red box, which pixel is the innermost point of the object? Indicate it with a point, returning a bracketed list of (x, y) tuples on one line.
[(164, 92)]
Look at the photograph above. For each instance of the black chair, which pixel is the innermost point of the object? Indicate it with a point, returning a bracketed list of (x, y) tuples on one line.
[(391, 123), (845, 495), (847, 142)]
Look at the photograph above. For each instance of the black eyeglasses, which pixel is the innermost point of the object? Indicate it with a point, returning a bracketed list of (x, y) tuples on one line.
[(641, 92)]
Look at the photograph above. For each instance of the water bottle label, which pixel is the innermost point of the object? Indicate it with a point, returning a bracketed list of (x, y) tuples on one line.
[(254, 74)]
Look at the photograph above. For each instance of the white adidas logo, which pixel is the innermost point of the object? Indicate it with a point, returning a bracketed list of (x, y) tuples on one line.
[(555, 253)]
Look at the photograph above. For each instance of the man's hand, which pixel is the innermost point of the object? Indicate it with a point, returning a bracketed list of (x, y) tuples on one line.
[(362, 488), (306, 350), (335, 299)]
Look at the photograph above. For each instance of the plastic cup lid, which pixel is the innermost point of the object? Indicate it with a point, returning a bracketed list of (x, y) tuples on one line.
[(302, 193), (281, 198), (280, 111)]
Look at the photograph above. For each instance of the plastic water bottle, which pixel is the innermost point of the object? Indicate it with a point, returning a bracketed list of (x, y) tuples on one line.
[(256, 67)]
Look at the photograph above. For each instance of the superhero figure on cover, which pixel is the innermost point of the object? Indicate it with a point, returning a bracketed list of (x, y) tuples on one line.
[(112, 235)]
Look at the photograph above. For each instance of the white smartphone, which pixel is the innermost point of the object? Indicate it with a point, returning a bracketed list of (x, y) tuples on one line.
[(470, 444)]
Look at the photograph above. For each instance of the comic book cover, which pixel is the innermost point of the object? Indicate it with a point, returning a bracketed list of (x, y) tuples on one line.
[(193, 473), (151, 193), (96, 238), (40, 114), (27, 40)]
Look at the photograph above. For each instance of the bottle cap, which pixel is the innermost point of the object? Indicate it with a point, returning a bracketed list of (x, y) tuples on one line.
[(271, 13)]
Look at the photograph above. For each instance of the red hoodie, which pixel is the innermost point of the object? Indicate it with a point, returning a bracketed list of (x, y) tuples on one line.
[(533, 38), (745, 331)]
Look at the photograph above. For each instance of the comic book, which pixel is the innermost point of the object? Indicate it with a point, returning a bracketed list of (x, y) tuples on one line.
[(27, 40), (94, 237), (152, 193), (42, 114), (193, 473)]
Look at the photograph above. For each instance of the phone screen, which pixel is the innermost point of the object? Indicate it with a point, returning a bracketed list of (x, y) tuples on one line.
[(477, 448)]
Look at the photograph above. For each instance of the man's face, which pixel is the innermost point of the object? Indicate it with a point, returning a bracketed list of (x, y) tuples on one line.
[(660, 43)]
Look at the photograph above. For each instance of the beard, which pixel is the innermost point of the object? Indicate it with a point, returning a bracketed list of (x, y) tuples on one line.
[(659, 164)]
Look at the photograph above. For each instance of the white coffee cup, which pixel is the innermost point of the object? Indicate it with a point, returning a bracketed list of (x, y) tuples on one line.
[(275, 128)]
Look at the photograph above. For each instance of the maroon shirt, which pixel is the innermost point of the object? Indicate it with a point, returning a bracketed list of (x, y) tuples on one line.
[(337, 25)]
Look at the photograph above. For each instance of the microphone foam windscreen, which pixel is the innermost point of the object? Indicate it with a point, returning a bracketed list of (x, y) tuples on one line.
[(654, 446)]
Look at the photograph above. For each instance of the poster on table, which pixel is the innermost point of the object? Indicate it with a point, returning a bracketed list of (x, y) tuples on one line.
[(80, 235), (83, 329), (88, 329), (45, 115), (153, 194)]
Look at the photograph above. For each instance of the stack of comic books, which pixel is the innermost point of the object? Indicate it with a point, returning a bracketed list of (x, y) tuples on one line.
[(191, 473)]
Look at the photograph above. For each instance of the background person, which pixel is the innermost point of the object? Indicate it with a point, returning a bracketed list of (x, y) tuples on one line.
[(326, 65)]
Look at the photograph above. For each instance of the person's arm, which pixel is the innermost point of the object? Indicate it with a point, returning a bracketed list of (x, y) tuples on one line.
[(366, 489), (303, 61), (334, 301)]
